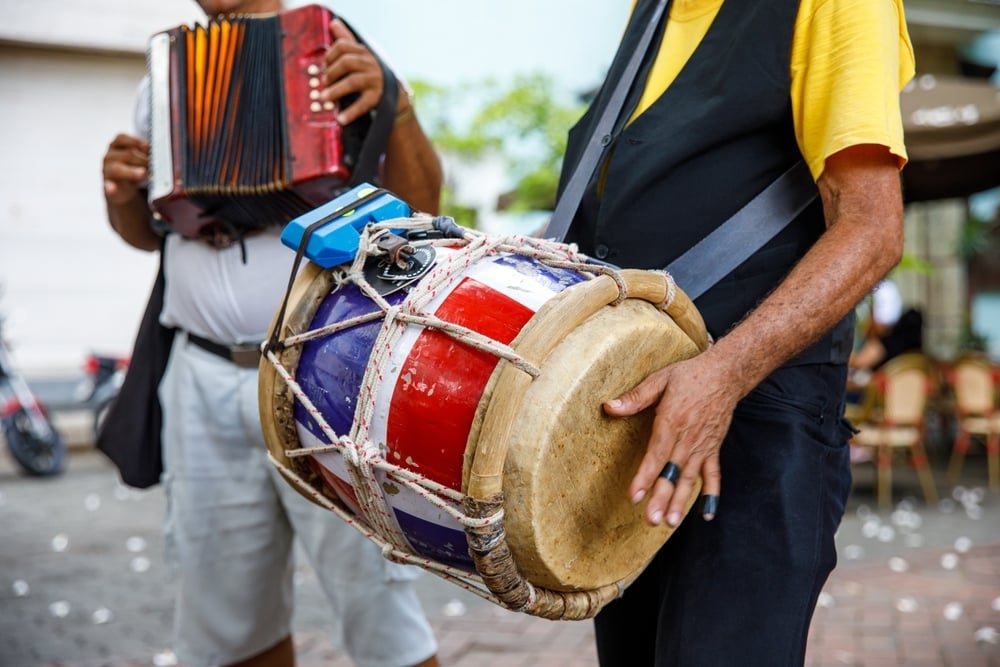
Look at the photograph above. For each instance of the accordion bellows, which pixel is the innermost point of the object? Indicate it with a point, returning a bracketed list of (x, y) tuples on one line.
[(239, 139)]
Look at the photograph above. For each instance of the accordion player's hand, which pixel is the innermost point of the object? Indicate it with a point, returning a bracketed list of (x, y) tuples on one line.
[(351, 68), (125, 168)]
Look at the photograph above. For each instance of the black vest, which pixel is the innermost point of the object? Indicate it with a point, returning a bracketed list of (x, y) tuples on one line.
[(716, 138)]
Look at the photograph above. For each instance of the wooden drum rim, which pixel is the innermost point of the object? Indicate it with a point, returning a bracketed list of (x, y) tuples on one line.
[(310, 287)]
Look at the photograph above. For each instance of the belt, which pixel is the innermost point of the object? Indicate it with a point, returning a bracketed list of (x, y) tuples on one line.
[(246, 355)]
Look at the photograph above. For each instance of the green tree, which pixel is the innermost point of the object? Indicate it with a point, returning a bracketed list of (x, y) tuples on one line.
[(523, 122)]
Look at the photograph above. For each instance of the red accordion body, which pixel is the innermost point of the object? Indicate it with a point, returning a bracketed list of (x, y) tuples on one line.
[(239, 139)]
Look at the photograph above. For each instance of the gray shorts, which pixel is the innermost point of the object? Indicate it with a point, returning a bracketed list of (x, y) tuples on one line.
[(229, 535)]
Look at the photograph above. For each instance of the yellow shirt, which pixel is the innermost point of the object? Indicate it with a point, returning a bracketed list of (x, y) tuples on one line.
[(842, 92)]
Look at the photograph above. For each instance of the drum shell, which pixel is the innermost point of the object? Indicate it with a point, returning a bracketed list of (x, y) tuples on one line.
[(429, 389), (568, 520)]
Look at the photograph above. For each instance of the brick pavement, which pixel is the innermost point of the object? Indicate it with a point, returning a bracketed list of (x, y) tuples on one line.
[(915, 588), (925, 616)]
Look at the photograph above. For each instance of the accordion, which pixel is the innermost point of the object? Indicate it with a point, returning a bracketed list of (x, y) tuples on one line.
[(239, 139)]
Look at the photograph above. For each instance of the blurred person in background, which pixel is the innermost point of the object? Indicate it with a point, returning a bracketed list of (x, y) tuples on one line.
[(231, 518), (888, 332)]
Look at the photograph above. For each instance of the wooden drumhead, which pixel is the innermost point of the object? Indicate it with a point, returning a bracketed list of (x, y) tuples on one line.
[(568, 520)]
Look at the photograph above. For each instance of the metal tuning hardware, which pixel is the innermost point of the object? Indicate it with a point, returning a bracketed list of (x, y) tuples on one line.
[(402, 265)]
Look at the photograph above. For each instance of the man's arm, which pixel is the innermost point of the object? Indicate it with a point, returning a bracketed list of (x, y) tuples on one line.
[(695, 399), (411, 169), (125, 167)]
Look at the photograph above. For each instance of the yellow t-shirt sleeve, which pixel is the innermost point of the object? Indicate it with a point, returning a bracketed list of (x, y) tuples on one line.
[(850, 60)]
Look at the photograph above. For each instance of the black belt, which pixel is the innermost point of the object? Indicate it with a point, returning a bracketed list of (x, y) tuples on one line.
[(246, 355)]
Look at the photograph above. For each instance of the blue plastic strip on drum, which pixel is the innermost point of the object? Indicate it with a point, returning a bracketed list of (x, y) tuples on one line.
[(338, 224)]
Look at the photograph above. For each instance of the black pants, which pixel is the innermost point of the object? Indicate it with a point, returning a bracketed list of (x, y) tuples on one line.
[(740, 591)]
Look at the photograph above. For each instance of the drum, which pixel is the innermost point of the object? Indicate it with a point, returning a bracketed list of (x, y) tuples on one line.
[(456, 418)]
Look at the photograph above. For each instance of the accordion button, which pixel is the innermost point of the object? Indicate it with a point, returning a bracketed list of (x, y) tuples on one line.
[(328, 106), (314, 94), (316, 107), (312, 70), (314, 82)]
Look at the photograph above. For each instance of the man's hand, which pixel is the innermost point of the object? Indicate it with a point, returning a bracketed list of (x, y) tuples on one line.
[(126, 167), (352, 68), (411, 168), (125, 170), (693, 410)]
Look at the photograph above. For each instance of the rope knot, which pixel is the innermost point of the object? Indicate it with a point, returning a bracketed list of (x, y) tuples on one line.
[(622, 286), (671, 290), (350, 452)]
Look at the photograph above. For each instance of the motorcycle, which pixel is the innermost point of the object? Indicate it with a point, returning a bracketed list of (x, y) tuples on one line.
[(32, 440), (103, 378)]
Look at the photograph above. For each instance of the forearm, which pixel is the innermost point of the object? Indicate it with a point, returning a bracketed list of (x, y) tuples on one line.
[(130, 220), (412, 169), (863, 241)]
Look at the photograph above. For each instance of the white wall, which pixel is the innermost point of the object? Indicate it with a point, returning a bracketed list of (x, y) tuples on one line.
[(69, 284), (116, 25), (68, 73)]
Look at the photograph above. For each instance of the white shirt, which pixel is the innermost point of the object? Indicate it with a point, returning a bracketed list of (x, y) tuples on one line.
[(211, 292)]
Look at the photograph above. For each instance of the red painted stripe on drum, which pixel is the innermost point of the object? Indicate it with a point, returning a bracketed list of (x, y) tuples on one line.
[(398, 355), (340, 486), (439, 385)]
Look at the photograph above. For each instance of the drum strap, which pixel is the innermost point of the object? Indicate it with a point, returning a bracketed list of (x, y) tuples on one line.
[(569, 202), (730, 244), (273, 343)]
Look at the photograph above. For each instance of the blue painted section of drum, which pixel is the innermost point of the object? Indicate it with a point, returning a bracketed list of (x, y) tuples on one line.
[(553, 278), (437, 542), (331, 368)]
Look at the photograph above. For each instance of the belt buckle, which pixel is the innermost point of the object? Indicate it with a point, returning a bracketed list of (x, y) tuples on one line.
[(245, 356)]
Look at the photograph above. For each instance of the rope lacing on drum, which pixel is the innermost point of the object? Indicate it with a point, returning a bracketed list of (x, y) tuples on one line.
[(469, 582), (668, 300), (370, 457), (365, 459)]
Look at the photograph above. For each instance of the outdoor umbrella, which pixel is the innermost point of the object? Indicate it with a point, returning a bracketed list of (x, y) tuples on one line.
[(952, 133)]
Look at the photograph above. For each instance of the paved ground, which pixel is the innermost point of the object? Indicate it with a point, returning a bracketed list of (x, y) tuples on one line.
[(83, 584)]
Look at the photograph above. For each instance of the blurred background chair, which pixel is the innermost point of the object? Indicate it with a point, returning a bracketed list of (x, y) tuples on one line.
[(892, 420), (975, 386)]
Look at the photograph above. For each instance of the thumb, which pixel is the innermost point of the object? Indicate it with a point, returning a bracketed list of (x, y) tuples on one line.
[(637, 399), (339, 30)]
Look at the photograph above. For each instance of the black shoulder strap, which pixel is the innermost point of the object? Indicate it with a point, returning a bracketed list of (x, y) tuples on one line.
[(569, 202), (383, 118), (378, 133), (731, 243)]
